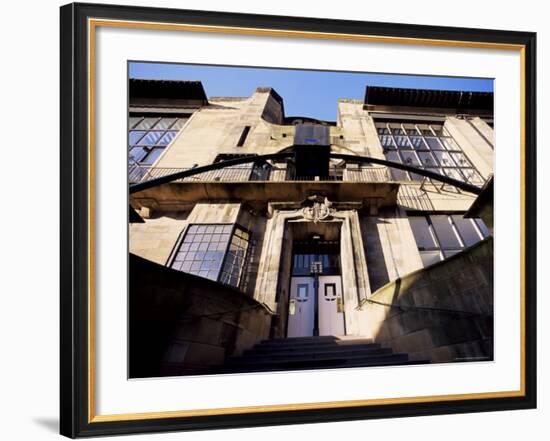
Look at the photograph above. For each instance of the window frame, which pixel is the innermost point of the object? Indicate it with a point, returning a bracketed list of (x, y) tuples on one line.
[(234, 226), (435, 236), (386, 129), (149, 148)]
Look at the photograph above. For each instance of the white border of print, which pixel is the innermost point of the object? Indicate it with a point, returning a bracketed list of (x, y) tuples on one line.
[(116, 394)]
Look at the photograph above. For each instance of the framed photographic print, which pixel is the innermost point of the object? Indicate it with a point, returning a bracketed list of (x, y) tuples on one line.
[(275, 220)]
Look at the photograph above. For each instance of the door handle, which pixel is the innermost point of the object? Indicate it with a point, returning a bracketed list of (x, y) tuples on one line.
[(292, 307), (339, 304)]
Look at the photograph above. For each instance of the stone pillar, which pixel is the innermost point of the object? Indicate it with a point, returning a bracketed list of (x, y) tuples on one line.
[(355, 283), (391, 247), (474, 146)]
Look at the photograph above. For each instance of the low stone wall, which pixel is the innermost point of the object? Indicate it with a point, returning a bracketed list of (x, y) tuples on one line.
[(442, 313), (182, 324)]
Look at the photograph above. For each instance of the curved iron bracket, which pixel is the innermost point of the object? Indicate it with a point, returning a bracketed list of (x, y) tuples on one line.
[(349, 158)]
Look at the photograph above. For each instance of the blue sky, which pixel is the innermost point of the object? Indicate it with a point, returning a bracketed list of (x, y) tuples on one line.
[(305, 93)]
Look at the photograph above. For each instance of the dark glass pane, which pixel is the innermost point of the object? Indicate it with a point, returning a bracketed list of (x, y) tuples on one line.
[(179, 123), (417, 142), (147, 123), (482, 227), (444, 159), (137, 154), (402, 142), (472, 176), (393, 156), (410, 158), (152, 156), (165, 123), (449, 144), (430, 257), (387, 142), (427, 159), (410, 129), (396, 129), (177, 265), (433, 143), (454, 173), (467, 230), (167, 138), (424, 129), (134, 136), (421, 231), (133, 121), (460, 160), (444, 232), (151, 138), (436, 170), (181, 255)]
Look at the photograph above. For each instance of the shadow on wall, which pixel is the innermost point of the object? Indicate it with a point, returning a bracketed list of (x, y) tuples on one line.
[(443, 313), (181, 324)]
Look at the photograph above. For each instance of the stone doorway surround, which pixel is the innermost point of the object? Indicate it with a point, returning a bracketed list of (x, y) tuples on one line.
[(288, 221)]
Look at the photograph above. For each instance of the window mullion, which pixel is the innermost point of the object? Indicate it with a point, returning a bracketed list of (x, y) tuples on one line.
[(457, 233)]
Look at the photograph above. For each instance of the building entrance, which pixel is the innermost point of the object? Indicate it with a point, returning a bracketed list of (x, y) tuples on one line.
[(316, 304)]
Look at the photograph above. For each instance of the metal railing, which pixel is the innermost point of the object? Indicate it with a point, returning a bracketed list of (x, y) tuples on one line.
[(246, 173)]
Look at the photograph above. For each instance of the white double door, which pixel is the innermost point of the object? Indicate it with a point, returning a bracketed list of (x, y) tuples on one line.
[(301, 309)]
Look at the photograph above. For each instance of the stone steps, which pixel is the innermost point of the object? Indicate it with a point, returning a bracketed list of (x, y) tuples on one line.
[(312, 343), (322, 352), (305, 349), (296, 356)]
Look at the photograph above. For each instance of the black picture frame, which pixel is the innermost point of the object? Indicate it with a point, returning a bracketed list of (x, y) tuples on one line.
[(77, 419)]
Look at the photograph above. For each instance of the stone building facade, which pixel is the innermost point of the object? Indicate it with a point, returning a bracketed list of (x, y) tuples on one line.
[(321, 245)]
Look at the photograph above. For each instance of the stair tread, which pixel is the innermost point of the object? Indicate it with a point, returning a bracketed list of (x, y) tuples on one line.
[(305, 343), (237, 369), (318, 360), (312, 349), (316, 354), (322, 352)]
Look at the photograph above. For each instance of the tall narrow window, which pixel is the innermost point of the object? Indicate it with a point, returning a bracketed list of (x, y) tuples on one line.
[(441, 236), (213, 251), (243, 137)]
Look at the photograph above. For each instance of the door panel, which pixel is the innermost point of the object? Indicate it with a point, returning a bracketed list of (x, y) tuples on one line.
[(301, 308), (331, 306)]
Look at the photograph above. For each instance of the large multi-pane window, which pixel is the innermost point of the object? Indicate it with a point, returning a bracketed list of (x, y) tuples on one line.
[(427, 146), (213, 251), (149, 135), (439, 236)]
